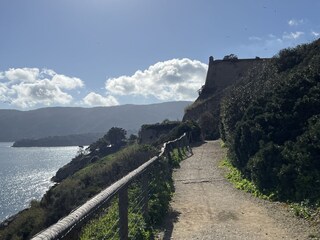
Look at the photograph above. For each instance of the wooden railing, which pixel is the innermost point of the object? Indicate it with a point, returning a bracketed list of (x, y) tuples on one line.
[(67, 226)]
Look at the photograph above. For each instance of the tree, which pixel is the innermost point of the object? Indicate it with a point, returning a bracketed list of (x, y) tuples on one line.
[(133, 138), (116, 135), (230, 57), (81, 151)]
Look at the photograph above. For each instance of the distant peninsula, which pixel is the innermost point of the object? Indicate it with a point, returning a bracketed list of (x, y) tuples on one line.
[(58, 141)]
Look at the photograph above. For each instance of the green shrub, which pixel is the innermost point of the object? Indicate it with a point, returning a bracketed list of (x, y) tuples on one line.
[(270, 124), (26, 225), (240, 182)]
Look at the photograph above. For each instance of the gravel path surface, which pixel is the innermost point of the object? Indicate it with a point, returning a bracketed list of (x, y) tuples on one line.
[(206, 206)]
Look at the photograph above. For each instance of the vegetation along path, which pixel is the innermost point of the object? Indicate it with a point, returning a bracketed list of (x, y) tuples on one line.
[(207, 206)]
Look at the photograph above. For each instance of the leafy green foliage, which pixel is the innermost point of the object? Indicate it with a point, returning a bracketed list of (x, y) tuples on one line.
[(176, 156), (271, 124), (302, 209), (162, 190), (106, 226), (133, 139), (209, 126), (26, 225), (115, 137), (240, 182)]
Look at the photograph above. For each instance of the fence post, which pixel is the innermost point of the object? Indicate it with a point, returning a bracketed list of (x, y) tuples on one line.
[(188, 142), (168, 154), (123, 213), (179, 148)]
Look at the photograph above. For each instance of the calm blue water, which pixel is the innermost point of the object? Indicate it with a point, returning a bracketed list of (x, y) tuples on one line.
[(25, 174)]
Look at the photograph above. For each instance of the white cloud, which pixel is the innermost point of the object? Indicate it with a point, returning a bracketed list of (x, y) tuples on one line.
[(41, 92), (292, 35), (28, 87), (3, 88), (3, 92), (272, 43), (295, 22), (65, 82), (176, 79), (47, 73), (21, 74), (94, 99), (315, 34)]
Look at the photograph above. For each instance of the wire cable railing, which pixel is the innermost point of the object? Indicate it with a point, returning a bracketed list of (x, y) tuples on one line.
[(125, 206)]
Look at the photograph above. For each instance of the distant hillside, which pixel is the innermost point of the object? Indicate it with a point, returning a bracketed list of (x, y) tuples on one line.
[(61, 121)]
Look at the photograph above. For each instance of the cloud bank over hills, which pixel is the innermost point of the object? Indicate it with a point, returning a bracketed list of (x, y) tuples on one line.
[(172, 80)]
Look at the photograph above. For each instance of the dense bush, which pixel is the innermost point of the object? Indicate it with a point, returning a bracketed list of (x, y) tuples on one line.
[(270, 122), (209, 126)]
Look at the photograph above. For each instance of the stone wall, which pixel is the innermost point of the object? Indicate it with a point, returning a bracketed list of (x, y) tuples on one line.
[(151, 133)]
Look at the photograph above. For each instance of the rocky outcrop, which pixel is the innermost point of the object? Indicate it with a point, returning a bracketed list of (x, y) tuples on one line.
[(80, 162), (69, 169)]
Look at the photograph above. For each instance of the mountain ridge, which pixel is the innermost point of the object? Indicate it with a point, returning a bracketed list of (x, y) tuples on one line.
[(59, 121)]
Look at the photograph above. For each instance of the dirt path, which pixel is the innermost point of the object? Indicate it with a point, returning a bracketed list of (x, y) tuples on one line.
[(206, 206)]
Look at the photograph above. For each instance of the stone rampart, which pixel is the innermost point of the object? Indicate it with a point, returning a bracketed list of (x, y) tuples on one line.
[(223, 73)]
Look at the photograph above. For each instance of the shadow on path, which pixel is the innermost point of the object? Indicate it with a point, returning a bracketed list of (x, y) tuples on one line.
[(172, 217)]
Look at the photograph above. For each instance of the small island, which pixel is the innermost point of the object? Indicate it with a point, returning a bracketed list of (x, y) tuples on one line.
[(59, 141)]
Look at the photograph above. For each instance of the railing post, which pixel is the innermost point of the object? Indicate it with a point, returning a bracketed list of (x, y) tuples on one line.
[(168, 154), (123, 213), (178, 146), (188, 141)]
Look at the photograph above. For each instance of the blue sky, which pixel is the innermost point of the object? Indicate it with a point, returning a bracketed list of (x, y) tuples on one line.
[(108, 52)]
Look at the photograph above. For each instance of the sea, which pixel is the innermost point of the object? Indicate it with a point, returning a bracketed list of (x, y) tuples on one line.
[(25, 174)]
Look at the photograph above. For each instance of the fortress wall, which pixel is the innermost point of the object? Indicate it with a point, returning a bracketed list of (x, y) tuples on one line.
[(223, 73)]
